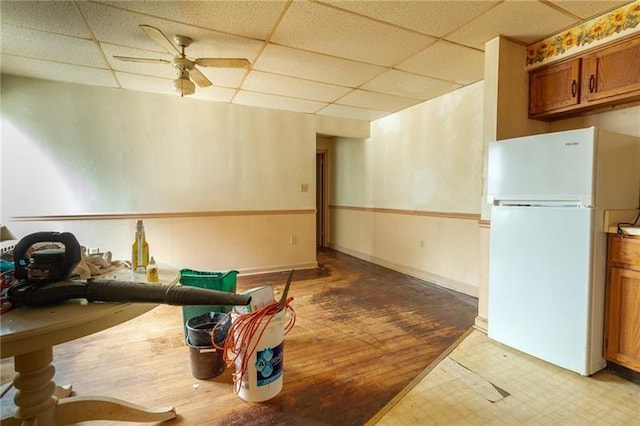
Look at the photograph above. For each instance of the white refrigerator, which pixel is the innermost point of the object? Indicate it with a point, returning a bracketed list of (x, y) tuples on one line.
[(547, 264)]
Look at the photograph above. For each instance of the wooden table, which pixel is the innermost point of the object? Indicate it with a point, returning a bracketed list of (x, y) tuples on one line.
[(29, 333)]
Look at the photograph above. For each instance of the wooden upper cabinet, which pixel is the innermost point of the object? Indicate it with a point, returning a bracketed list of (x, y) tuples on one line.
[(554, 87), (603, 78), (612, 72)]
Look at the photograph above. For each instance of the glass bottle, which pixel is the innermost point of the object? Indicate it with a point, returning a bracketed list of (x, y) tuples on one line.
[(152, 271), (140, 250)]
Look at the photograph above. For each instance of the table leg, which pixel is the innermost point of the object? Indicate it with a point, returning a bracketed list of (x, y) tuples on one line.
[(37, 400), (79, 409), (34, 398)]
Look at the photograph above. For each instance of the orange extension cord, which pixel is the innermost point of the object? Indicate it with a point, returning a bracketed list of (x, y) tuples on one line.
[(243, 328)]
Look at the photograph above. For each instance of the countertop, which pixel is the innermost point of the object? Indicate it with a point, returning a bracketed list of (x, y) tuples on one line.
[(614, 217)]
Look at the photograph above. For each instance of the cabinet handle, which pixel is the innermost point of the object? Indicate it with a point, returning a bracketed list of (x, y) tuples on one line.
[(592, 83), (574, 88)]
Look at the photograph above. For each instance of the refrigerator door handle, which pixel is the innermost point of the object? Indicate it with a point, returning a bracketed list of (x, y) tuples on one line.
[(537, 203)]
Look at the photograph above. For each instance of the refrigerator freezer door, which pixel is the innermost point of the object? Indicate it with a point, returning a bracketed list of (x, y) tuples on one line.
[(546, 168), (540, 284)]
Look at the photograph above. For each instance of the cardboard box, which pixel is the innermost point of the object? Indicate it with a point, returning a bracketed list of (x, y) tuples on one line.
[(261, 297)]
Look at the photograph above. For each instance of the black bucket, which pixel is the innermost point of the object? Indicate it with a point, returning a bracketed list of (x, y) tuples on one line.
[(207, 361), (199, 329)]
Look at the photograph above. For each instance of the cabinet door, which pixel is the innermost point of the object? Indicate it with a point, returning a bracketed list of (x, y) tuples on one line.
[(612, 72), (623, 318), (554, 87)]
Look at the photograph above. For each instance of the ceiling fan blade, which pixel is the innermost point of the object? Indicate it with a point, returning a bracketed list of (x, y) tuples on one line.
[(161, 39), (223, 62), (148, 60), (200, 79)]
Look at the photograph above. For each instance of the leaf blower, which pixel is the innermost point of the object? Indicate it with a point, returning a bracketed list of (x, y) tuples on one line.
[(43, 278)]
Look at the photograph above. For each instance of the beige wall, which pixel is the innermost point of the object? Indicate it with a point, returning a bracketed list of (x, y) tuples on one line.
[(408, 196), (218, 185), (343, 127), (249, 243), (624, 120), (117, 151)]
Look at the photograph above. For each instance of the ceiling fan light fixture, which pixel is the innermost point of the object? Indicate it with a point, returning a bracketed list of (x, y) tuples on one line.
[(184, 86)]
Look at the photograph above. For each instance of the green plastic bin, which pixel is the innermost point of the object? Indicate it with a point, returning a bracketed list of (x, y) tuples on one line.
[(221, 281)]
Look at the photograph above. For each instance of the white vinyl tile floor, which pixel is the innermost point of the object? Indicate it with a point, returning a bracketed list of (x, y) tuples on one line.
[(482, 382)]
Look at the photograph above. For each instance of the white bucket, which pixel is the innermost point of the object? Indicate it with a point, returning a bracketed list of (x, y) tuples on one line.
[(264, 374)]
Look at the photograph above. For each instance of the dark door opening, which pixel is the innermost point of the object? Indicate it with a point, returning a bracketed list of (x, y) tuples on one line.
[(320, 199)]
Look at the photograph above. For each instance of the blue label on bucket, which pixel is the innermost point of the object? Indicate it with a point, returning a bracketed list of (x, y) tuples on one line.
[(269, 363)]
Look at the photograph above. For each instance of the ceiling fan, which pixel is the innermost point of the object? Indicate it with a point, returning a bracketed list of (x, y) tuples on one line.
[(186, 67)]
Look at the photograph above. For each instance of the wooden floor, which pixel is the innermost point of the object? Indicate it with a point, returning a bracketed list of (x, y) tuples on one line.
[(362, 334)]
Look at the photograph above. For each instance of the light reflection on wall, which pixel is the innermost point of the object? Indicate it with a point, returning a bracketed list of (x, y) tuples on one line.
[(34, 180), (389, 125)]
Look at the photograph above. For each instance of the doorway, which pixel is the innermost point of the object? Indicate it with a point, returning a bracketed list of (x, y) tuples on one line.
[(322, 226)]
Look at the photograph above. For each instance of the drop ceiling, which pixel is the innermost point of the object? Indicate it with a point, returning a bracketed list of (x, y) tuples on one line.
[(352, 59)]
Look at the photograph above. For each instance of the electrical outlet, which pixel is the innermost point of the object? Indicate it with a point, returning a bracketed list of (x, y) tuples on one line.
[(293, 240)]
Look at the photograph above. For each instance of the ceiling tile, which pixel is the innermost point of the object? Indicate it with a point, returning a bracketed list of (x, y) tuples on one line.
[(433, 17), (315, 67), (376, 101), (319, 28), (145, 83), (447, 61), (215, 93), (115, 26), (366, 58), (152, 69), (353, 113), (526, 21), (43, 45), (254, 19), (118, 27), (59, 17), (224, 77), (276, 102), (586, 9), (34, 68), (409, 85), (274, 84)]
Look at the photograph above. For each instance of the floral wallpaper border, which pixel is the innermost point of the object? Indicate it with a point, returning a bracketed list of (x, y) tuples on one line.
[(618, 23)]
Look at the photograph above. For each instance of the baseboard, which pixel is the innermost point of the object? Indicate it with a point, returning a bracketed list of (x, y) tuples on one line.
[(481, 324), (445, 282), (624, 372), (279, 268)]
